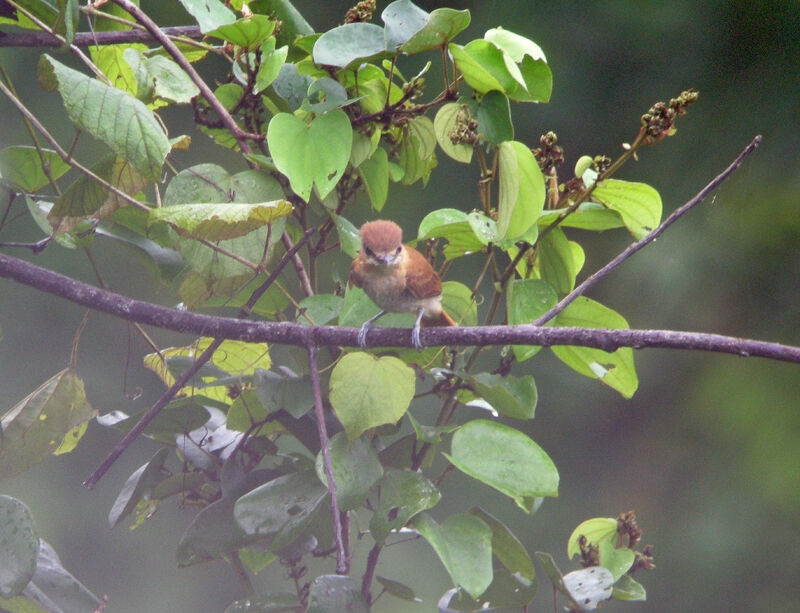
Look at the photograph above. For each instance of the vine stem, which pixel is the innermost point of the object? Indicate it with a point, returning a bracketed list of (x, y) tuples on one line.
[(342, 562)]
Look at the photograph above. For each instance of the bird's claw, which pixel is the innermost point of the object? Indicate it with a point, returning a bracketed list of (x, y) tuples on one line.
[(415, 339), (362, 334)]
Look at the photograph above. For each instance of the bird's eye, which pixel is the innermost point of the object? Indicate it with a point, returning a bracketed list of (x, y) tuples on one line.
[(368, 251), (399, 249)]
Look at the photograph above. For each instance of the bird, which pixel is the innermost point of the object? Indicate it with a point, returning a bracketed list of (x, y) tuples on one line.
[(397, 278)]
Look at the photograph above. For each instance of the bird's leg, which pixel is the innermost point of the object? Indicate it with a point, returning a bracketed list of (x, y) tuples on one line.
[(362, 333), (415, 332)]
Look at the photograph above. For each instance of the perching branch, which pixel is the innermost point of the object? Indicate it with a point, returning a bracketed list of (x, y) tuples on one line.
[(286, 333)]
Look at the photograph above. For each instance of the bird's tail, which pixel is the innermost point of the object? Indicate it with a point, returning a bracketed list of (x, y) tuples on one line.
[(442, 319)]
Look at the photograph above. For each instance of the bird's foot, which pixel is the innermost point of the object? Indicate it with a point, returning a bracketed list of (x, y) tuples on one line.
[(362, 334), (415, 338)]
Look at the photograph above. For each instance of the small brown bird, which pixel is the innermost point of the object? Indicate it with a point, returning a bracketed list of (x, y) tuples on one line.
[(397, 278)]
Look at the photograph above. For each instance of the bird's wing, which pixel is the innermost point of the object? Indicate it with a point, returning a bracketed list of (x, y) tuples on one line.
[(421, 280)]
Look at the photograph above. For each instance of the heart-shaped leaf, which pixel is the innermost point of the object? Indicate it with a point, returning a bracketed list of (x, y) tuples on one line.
[(314, 154)]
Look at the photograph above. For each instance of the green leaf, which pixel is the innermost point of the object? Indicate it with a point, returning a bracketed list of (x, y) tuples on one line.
[(403, 494), (214, 532), (248, 32), (526, 300), (493, 114), (357, 308), (178, 417), (442, 26), (638, 204), (335, 594), (416, 156), (627, 588), (508, 395), (209, 14), (271, 62), (521, 192), (53, 584), (537, 80), (315, 154), (374, 172), (464, 545), (507, 592), (119, 120), (19, 546), (614, 369), (291, 86), (293, 24), (516, 46), (402, 20), (482, 66), (356, 468), (552, 571), (167, 80), (349, 45), (617, 560), (215, 222), (21, 166), (596, 531), (557, 262), (86, 199), (282, 508), (459, 303), (320, 308), (349, 240), (232, 358), (454, 226), (324, 95), (507, 548), (444, 124), (588, 216), (367, 391), (209, 183), (36, 425), (505, 459), (139, 486), (397, 589)]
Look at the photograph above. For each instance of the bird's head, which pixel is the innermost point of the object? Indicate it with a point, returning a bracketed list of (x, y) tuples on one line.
[(381, 242)]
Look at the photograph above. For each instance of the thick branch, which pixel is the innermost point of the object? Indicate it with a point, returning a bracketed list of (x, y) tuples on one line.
[(297, 334), (87, 39)]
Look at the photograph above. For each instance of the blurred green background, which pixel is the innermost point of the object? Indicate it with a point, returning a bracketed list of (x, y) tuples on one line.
[(706, 452)]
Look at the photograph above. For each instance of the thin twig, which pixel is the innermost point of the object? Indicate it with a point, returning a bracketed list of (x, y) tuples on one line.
[(634, 247), (322, 431), (299, 268)]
